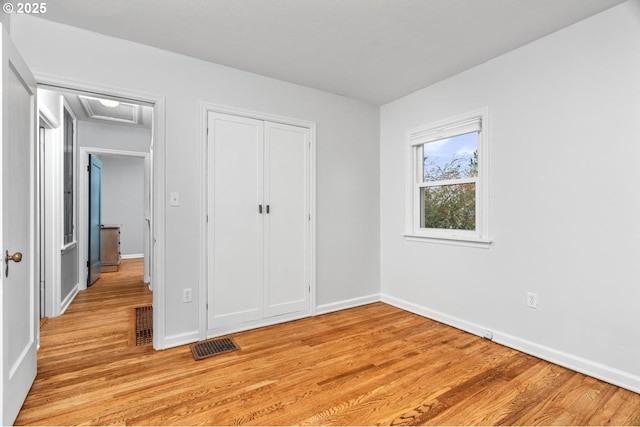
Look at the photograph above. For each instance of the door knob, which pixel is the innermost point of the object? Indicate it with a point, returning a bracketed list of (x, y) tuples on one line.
[(17, 257)]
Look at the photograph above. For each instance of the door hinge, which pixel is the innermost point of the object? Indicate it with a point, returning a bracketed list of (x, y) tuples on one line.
[(87, 264), (88, 168)]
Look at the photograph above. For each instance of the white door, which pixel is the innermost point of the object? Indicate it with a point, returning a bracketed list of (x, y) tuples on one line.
[(287, 276), (235, 224), (259, 239), (19, 317)]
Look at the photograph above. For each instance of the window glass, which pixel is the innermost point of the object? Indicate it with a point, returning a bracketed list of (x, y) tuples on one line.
[(68, 178), (451, 158), (451, 207)]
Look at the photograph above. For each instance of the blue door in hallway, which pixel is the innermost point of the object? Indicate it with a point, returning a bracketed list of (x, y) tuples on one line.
[(95, 220)]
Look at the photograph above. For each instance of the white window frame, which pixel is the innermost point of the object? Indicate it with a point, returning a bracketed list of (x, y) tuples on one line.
[(473, 121), (74, 208)]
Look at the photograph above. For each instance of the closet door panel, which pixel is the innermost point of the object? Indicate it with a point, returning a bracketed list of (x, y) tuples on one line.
[(235, 226), (287, 224)]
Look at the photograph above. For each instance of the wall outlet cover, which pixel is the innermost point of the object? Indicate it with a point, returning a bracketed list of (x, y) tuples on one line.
[(532, 300)]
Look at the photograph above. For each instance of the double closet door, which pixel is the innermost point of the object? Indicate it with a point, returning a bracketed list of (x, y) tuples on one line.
[(258, 221)]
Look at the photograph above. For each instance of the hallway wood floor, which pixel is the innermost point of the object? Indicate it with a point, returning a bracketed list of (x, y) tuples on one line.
[(372, 365)]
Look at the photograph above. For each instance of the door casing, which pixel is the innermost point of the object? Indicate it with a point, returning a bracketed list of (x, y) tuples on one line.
[(50, 123), (157, 171)]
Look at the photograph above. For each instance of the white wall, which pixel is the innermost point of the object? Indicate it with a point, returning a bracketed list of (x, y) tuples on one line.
[(347, 158), (564, 205), (114, 137), (52, 101), (123, 199)]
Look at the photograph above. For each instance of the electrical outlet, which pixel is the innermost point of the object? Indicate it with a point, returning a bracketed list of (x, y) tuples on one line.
[(487, 334), (186, 295), (532, 300)]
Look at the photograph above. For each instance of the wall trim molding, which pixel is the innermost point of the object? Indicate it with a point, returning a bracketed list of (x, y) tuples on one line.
[(346, 304), (67, 301), (132, 256), (181, 339), (260, 323), (591, 368)]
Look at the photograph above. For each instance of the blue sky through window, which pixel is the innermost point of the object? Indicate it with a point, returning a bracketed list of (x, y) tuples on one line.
[(442, 153)]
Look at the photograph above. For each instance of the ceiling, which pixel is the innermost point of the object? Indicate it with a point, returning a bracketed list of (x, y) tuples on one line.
[(372, 50), (109, 115)]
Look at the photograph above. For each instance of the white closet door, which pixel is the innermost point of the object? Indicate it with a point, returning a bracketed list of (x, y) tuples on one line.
[(287, 231), (235, 232)]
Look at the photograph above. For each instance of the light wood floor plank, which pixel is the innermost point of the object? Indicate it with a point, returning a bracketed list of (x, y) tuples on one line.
[(372, 365)]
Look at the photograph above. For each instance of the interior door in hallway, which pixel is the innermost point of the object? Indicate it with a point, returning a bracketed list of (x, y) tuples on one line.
[(95, 219), (18, 283)]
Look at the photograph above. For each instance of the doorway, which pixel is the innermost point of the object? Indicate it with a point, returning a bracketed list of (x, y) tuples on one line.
[(48, 125), (125, 205), (99, 128)]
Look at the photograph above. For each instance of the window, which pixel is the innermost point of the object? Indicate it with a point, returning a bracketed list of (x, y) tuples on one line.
[(446, 186), (68, 179)]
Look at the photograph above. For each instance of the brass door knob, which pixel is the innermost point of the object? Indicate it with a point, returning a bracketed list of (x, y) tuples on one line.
[(17, 257)]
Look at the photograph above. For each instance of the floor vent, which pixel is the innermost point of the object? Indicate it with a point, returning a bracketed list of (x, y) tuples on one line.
[(205, 349), (144, 325)]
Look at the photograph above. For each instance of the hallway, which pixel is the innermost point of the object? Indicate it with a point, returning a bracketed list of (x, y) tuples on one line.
[(98, 321)]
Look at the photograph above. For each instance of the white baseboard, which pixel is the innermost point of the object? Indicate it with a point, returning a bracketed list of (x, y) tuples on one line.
[(322, 309), (191, 337), (132, 256), (261, 323), (588, 367), (180, 339), (65, 303), (345, 304)]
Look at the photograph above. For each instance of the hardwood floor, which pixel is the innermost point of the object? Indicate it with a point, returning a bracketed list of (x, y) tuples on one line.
[(372, 365)]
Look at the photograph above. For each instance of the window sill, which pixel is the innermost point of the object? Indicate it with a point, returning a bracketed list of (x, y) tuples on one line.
[(458, 240)]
